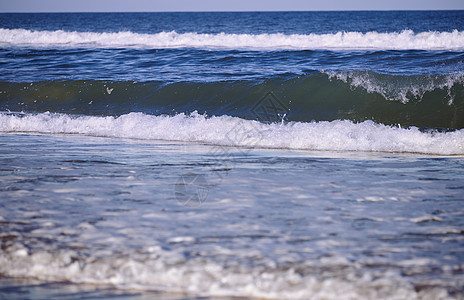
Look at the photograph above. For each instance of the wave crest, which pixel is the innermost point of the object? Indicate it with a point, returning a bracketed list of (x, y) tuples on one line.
[(404, 40), (339, 135)]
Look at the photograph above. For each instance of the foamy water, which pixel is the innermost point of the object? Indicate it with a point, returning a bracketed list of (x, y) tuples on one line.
[(339, 135), (106, 211), (403, 40), (403, 88)]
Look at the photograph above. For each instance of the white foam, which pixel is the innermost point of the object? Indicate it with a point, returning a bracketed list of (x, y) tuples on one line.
[(339, 135), (169, 271), (406, 39), (399, 88)]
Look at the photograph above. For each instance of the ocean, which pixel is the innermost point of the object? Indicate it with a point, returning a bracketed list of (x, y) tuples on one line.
[(232, 155)]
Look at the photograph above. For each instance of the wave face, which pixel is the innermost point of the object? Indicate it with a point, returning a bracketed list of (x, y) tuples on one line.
[(230, 131), (404, 40), (286, 71), (421, 101)]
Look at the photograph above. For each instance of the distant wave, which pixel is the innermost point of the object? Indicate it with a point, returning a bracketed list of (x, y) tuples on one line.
[(404, 40), (338, 135)]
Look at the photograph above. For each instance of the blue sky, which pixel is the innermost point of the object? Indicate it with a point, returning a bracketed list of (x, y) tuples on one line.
[(216, 5)]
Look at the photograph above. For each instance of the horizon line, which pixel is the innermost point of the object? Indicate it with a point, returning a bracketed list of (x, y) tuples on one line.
[(238, 11)]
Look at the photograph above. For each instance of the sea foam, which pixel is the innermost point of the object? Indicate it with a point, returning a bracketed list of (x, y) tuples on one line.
[(338, 135), (159, 270), (400, 88), (403, 40)]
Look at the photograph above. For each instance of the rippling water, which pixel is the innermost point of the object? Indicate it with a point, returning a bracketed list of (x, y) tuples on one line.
[(255, 155)]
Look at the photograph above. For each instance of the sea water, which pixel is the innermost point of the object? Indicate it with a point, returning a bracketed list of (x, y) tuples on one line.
[(305, 155)]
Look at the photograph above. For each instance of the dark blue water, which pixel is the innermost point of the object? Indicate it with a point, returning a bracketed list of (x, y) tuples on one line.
[(30, 63), (380, 58), (243, 22)]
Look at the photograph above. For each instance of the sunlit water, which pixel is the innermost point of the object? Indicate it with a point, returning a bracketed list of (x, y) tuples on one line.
[(201, 220)]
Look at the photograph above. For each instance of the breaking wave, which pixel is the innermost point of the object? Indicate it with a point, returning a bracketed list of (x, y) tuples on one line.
[(339, 135), (422, 100), (404, 40)]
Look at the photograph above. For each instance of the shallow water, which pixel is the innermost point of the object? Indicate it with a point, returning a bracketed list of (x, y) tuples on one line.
[(195, 219)]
